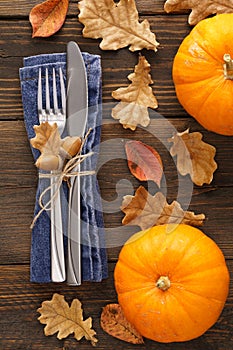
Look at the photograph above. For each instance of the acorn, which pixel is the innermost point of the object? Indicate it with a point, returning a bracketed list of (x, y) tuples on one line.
[(70, 146), (48, 162)]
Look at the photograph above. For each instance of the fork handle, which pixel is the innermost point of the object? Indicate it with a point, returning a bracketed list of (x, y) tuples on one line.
[(58, 273), (74, 233)]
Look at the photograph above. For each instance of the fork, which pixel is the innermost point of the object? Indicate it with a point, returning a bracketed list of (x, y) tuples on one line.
[(58, 116)]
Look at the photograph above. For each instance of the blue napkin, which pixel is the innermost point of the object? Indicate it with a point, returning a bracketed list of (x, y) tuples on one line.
[(93, 252)]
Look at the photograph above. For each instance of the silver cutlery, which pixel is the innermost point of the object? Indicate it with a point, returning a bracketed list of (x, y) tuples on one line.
[(54, 115), (77, 112)]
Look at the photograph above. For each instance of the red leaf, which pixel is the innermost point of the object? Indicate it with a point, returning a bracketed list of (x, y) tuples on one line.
[(48, 17), (144, 161)]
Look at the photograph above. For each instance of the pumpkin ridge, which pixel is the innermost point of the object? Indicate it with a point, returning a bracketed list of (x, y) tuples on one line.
[(199, 295), (131, 266), (206, 49), (200, 80), (150, 290), (186, 252), (179, 301), (219, 80), (182, 280)]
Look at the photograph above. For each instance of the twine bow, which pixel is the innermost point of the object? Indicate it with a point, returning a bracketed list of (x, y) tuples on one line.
[(69, 171)]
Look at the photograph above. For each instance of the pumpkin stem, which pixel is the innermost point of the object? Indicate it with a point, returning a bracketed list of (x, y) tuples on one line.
[(228, 66), (163, 283)]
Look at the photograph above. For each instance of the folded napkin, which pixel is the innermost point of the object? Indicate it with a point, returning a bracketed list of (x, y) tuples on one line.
[(93, 252)]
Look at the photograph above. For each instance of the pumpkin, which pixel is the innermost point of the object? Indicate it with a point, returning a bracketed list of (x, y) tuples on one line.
[(172, 282), (203, 73)]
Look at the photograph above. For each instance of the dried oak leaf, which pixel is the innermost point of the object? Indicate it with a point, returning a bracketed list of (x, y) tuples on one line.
[(144, 161), (48, 142), (64, 319), (47, 139), (147, 211), (114, 323), (117, 24), (200, 9), (54, 150), (48, 17), (194, 157), (136, 98)]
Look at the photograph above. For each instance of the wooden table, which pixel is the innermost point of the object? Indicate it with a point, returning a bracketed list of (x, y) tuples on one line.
[(18, 177)]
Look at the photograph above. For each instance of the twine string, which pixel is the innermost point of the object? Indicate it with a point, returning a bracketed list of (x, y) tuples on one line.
[(69, 171)]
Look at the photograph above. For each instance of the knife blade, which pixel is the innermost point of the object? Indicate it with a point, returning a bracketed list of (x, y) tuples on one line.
[(77, 112)]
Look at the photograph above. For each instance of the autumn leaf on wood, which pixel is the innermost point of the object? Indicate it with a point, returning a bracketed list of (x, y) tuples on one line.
[(64, 319), (144, 161), (147, 211), (200, 9), (53, 149), (114, 323), (194, 156), (48, 17), (47, 139), (136, 98), (117, 24)]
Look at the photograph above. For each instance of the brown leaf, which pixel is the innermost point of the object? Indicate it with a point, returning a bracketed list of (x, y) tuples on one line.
[(114, 323), (64, 319), (200, 9), (48, 17), (194, 156), (144, 161), (147, 211), (47, 139), (117, 23), (54, 150), (136, 98)]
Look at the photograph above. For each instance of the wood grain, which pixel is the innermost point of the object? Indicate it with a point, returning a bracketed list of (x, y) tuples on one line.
[(116, 65), (23, 7), (18, 181), (19, 299)]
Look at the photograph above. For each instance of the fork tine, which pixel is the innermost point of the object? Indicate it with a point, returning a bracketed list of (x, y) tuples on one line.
[(55, 104), (63, 91), (47, 98), (39, 93)]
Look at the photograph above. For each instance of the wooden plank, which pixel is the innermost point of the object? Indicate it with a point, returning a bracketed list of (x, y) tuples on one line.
[(16, 216), (23, 7), (17, 212), (17, 165), (17, 43), (17, 162), (20, 300), (18, 180)]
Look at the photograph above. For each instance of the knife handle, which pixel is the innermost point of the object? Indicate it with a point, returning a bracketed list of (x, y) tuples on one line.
[(58, 273), (74, 233)]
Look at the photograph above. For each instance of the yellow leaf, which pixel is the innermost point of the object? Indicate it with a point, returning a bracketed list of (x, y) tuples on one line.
[(114, 323), (54, 150), (117, 24), (194, 157), (147, 211), (59, 317), (200, 9), (47, 139), (136, 98)]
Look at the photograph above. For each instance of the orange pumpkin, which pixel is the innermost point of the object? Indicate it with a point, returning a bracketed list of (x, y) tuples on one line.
[(203, 73), (172, 282)]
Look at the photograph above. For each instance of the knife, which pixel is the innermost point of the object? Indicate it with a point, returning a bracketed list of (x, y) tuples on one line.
[(77, 112)]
